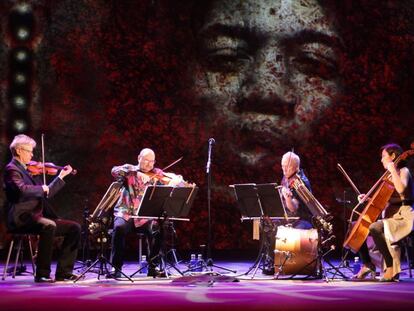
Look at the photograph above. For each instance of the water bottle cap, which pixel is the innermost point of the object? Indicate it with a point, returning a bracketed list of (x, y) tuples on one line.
[(356, 258), (144, 257)]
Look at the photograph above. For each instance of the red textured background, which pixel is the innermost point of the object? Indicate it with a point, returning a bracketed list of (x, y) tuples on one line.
[(112, 79)]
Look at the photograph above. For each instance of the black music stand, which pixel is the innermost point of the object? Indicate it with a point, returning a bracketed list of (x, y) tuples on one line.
[(99, 222), (166, 203), (260, 202)]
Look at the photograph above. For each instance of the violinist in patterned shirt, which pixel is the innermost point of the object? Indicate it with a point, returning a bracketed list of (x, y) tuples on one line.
[(135, 179)]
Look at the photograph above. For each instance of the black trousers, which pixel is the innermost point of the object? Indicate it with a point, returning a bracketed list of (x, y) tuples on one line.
[(376, 230), (47, 229), (122, 228)]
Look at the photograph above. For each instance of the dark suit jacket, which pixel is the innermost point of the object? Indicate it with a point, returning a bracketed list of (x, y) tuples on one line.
[(24, 196)]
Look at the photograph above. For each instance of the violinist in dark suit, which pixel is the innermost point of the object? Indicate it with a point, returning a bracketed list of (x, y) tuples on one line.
[(29, 211), (135, 178)]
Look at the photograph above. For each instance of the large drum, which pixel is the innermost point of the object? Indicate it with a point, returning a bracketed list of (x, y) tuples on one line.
[(296, 251)]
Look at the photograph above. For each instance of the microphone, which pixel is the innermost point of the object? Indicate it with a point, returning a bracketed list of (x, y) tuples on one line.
[(211, 142)]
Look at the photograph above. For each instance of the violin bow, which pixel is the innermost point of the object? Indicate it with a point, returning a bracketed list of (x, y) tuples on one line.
[(354, 210), (173, 163), (167, 167), (341, 169), (43, 159)]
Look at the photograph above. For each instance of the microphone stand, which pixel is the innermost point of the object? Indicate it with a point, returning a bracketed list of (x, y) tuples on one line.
[(344, 263), (209, 263)]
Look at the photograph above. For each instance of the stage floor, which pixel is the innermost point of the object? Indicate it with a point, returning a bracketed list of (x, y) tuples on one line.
[(206, 291)]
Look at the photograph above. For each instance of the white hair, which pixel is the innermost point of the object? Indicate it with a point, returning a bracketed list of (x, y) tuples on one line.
[(291, 156), (20, 140)]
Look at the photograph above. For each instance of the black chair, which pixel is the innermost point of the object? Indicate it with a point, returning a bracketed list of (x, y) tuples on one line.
[(17, 243)]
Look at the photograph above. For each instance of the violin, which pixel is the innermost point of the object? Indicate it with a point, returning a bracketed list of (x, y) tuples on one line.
[(159, 176), (36, 168), (166, 178)]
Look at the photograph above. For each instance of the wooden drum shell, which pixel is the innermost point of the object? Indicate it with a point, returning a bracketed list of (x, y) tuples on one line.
[(296, 251)]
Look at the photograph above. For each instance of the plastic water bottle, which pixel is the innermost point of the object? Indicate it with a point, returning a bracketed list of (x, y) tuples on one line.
[(144, 264), (357, 266), (193, 262), (199, 263)]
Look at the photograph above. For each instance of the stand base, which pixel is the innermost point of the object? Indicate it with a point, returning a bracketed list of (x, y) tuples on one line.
[(82, 264), (163, 265), (207, 265), (259, 263), (102, 261), (338, 268), (210, 265)]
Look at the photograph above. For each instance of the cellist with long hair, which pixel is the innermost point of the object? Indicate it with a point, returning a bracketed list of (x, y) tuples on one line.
[(398, 220)]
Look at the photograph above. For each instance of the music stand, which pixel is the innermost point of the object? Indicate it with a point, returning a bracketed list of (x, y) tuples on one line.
[(257, 202), (99, 221), (166, 202)]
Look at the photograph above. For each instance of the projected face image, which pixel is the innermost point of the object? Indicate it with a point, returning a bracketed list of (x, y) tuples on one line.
[(267, 70)]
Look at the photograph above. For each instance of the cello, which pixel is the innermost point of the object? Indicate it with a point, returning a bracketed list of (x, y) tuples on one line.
[(377, 200)]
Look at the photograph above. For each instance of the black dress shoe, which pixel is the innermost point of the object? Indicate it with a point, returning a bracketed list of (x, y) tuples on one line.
[(66, 277), (155, 273), (43, 279)]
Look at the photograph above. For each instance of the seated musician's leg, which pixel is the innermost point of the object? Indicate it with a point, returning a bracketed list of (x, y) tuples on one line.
[(45, 228), (368, 268), (376, 230), (269, 239), (71, 232), (120, 230), (152, 230)]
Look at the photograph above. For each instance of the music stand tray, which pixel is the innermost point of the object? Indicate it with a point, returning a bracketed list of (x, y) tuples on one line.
[(271, 200), (257, 200), (166, 201), (248, 201), (178, 205)]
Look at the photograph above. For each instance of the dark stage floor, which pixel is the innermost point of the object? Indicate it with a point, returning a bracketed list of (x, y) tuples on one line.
[(202, 291)]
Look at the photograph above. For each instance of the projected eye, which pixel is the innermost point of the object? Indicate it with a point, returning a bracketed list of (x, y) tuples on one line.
[(315, 65), (226, 60)]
